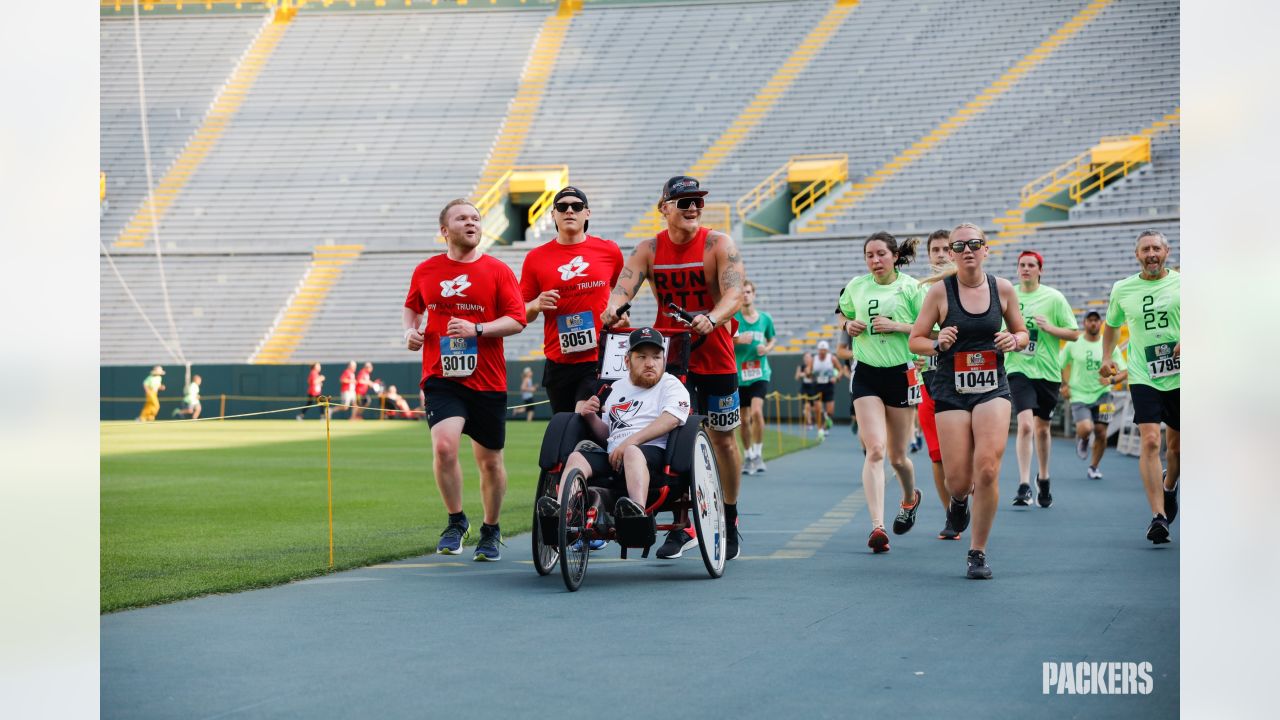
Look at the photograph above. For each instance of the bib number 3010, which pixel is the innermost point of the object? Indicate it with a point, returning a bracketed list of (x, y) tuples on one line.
[(976, 372), (458, 356)]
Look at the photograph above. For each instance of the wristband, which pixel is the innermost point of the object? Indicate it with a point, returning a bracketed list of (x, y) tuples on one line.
[(406, 334)]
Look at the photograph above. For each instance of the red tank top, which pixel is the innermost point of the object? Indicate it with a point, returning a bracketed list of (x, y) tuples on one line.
[(680, 277)]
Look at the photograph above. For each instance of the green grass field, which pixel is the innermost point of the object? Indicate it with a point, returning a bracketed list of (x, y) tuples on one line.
[(189, 509)]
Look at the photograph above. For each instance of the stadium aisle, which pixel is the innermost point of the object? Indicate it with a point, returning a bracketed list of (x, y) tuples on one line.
[(807, 623)]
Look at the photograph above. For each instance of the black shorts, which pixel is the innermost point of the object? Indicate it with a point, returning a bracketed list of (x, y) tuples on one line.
[(808, 389), (727, 413), (603, 474), (1038, 396), (757, 389), (566, 384), (887, 383), (484, 413), (1151, 405), (826, 391)]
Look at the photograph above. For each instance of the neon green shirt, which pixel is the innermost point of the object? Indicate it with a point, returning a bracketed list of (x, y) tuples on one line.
[(900, 300), (752, 366), (1085, 359), (1039, 361), (1152, 309), (152, 384)]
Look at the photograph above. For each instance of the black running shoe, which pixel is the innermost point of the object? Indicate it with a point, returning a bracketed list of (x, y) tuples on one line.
[(1023, 498), (548, 507), (1043, 496), (677, 542), (948, 532), (978, 568), (906, 517), (958, 515), (733, 543), (1158, 530), (627, 508), (1170, 500)]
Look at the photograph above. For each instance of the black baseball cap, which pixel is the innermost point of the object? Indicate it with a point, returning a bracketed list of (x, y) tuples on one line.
[(571, 191), (645, 336), (1092, 313), (681, 186)]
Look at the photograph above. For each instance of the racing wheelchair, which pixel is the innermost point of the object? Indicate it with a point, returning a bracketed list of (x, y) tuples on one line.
[(690, 482)]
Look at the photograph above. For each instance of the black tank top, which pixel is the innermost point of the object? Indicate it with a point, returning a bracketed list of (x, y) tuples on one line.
[(974, 351)]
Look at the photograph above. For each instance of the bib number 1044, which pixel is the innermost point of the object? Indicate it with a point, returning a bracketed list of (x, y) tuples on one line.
[(976, 372)]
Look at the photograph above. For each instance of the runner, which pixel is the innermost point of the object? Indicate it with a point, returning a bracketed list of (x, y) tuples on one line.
[(469, 302), (751, 351), (941, 261), (700, 270), (1091, 403), (568, 280), (1150, 304), (808, 393), (879, 308), (1034, 373), (970, 391), (315, 387), (824, 371), (347, 388)]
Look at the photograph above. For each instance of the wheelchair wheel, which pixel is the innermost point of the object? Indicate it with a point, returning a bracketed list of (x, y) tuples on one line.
[(574, 548), (544, 554), (708, 505)]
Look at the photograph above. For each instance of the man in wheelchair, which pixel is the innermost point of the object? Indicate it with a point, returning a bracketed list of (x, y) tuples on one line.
[(639, 411)]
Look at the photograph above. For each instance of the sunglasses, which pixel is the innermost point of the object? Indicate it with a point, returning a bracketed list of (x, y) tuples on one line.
[(685, 202), (567, 206), (958, 245)]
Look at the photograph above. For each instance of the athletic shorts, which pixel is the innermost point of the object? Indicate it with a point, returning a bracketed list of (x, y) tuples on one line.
[(716, 396), (929, 424), (757, 389), (1154, 406), (827, 391), (603, 475), (484, 412), (348, 398), (808, 389), (567, 383), (887, 383), (1081, 412), (1038, 396)]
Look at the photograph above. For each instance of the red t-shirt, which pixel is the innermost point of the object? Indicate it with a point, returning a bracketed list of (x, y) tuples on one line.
[(362, 382), (347, 380), (584, 274), (313, 382), (679, 275), (479, 292)]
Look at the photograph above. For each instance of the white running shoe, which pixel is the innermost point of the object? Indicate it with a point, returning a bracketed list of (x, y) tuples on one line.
[(760, 464), (1095, 474)]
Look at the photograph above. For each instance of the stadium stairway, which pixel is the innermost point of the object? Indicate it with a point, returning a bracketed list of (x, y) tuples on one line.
[(205, 138), (764, 100), (840, 206), (291, 324), (524, 106)]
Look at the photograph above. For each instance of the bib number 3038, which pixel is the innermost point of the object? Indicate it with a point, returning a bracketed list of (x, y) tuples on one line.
[(458, 356), (577, 332), (724, 412), (976, 372), (1161, 362)]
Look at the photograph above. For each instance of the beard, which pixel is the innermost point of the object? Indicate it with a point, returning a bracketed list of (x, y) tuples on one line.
[(643, 382)]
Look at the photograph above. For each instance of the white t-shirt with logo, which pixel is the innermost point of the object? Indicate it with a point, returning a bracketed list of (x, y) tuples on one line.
[(630, 409)]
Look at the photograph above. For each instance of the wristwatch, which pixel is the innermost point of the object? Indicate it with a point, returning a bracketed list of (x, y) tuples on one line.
[(479, 329)]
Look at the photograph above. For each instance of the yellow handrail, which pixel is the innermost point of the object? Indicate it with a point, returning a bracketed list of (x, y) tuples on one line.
[(814, 191), (763, 191), (769, 188), (1050, 179), (543, 203), (1101, 175), (485, 202)]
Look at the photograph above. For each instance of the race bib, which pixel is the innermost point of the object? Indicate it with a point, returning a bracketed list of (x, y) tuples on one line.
[(577, 332), (458, 356), (1033, 332), (915, 386), (1106, 411), (976, 372), (930, 363), (1161, 362), (751, 371), (724, 412)]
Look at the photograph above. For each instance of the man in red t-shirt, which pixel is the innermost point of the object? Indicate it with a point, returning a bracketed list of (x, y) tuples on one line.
[(568, 280), (701, 270), (363, 379), (347, 388), (315, 384), (465, 302)]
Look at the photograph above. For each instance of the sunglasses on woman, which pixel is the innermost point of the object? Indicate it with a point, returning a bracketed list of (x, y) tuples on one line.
[(685, 202), (567, 206), (959, 245)]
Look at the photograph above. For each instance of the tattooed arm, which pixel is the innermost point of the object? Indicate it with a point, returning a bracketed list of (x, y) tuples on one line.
[(630, 279), (731, 274)]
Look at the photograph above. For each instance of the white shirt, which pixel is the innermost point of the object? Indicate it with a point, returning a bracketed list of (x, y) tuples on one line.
[(630, 409)]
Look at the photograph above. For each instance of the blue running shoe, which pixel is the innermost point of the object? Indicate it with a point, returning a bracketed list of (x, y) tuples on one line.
[(451, 538), (487, 549)]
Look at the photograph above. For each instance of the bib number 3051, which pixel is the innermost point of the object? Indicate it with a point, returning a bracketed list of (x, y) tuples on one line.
[(1161, 362), (577, 332), (458, 356), (976, 372)]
